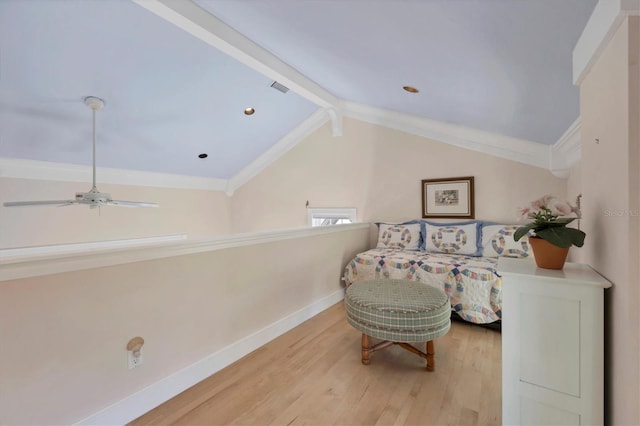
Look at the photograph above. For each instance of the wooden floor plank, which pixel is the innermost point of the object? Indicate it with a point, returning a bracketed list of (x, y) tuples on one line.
[(312, 375)]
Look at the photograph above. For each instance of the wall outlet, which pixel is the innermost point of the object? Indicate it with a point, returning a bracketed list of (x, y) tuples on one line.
[(134, 361)]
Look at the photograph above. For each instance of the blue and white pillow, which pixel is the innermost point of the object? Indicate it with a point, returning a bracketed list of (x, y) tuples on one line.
[(452, 238), (497, 241), (403, 236)]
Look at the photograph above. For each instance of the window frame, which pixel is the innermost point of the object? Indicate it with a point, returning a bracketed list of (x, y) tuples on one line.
[(330, 213)]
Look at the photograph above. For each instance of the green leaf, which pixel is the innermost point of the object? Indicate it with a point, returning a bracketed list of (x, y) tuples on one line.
[(562, 236), (562, 221), (522, 231)]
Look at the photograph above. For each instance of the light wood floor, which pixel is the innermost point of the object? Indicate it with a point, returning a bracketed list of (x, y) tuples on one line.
[(312, 375)]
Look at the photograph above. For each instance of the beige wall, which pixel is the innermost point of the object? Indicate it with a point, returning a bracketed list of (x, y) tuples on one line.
[(63, 336), (574, 187), (197, 213), (609, 97), (373, 168), (378, 171), (177, 304), (574, 182)]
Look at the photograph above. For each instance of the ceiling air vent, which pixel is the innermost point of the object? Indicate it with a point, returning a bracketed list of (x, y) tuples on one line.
[(280, 87)]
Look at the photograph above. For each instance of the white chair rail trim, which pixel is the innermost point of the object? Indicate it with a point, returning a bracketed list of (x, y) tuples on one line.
[(23, 253), (24, 267)]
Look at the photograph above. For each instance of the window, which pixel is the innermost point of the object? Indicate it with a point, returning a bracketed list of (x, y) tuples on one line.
[(326, 217)]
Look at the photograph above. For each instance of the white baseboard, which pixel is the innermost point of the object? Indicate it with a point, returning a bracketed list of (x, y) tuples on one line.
[(143, 401)]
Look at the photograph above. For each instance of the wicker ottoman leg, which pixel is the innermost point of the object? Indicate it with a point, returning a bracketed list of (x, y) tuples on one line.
[(431, 359), (365, 349)]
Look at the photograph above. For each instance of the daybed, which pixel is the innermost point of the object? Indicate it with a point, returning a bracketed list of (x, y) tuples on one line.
[(459, 258)]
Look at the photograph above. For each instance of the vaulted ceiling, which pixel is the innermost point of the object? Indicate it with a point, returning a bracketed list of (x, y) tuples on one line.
[(176, 79)]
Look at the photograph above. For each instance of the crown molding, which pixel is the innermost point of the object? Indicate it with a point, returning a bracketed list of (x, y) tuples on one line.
[(567, 151), (297, 135), (44, 170), (190, 17), (519, 150), (559, 158), (602, 25)]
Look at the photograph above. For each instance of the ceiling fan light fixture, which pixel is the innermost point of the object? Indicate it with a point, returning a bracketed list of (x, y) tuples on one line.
[(94, 102), (249, 111), (410, 89)]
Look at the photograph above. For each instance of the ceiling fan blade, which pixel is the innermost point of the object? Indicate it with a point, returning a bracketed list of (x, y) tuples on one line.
[(36, 113), (131, 203), (59, 203)]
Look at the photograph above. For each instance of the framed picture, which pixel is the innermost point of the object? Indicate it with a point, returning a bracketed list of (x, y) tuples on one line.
[(448, 198)]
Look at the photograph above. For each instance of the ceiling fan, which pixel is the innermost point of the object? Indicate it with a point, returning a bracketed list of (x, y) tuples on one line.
[(93, 198)]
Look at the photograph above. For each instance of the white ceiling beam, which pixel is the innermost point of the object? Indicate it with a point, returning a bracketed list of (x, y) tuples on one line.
[(336, 121), (198, 22), (602, 25)]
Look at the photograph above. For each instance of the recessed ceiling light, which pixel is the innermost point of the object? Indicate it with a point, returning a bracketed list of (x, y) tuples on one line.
[(249, 111), (410, 89), (203, 155)]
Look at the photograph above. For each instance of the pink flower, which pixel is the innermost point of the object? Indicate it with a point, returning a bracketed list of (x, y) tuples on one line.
[(544, 201), (548, 207), (523, 213), (535, 205), (559, 208)]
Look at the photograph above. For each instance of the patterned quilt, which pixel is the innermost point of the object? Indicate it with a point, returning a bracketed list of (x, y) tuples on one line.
[(472, 284)]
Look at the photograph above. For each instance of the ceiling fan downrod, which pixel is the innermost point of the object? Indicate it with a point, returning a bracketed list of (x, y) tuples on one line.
[(95, 104)]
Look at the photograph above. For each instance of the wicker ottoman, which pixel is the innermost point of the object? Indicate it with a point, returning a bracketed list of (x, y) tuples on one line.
[(399, 312)]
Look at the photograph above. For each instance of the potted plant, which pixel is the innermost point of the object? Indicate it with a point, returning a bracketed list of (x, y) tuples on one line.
[(551, 237)]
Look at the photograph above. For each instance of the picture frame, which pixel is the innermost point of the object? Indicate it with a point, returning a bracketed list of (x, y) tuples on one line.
[(451, 198)]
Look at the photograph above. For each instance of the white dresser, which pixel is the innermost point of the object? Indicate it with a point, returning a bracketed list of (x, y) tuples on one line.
[(552, 344)]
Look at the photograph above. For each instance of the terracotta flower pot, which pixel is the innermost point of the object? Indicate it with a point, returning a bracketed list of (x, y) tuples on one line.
[(547, 255)]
